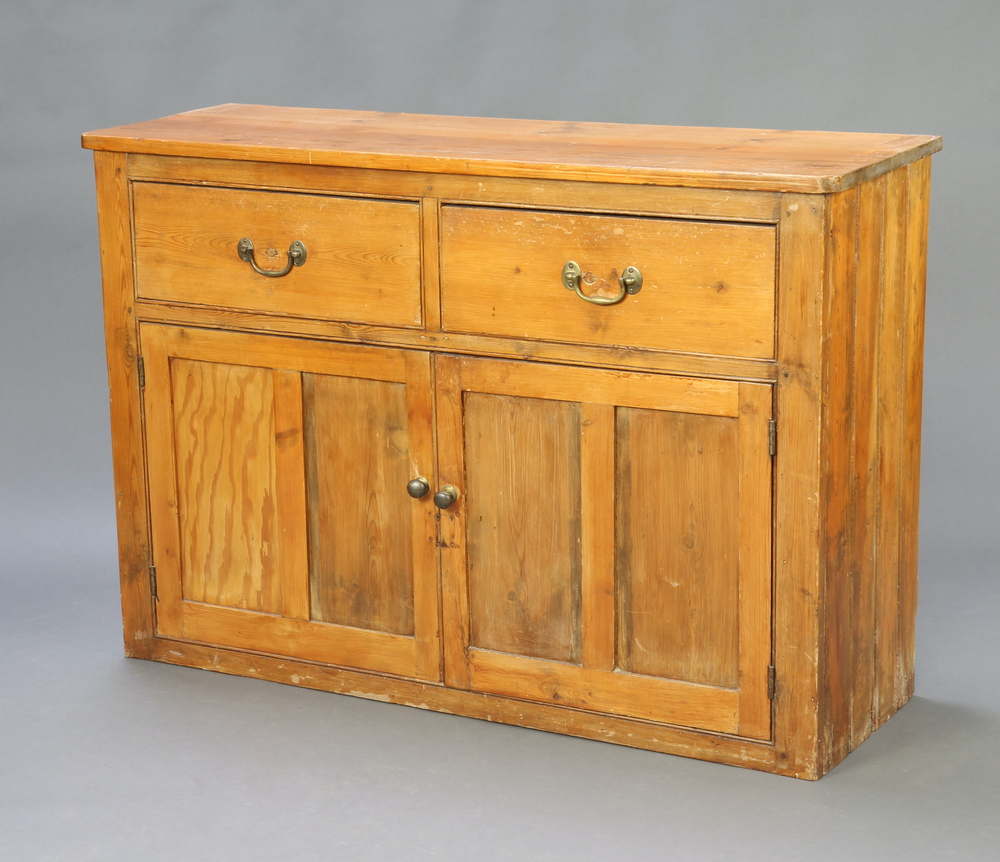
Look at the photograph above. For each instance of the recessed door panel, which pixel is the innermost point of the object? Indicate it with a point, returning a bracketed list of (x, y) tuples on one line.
[(224, 452), (357, 465), (522, 460), (677, 545)]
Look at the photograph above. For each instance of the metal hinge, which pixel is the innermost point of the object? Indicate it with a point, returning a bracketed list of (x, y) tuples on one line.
[(152, 581), (772, 436), (770, 682), (141, 365)]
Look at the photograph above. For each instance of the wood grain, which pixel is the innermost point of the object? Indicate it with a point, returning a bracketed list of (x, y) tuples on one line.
[(311, 641), (890, 463), (616, 358), (756, 524), (134, 552), (707, 288), (522, 476), (677, 556), (661, 155), (917, 217), (649, 391), (448, 372), (423, 515), (797, 505), (597, 529), (712, 204), (362, 263), (864, 481), (838, 659), (357, 467), (663, 700), (224, 454)]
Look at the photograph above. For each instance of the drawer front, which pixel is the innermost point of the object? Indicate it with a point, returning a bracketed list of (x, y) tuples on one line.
[(708, 287), (362, 256)]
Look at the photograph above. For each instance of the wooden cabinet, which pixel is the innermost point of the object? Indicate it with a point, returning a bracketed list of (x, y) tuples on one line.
[(606, 430)]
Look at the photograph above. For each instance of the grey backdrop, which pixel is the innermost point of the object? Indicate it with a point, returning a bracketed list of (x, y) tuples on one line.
[(103, 758)]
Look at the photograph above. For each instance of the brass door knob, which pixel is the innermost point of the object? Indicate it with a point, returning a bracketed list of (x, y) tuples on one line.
[(417, 487), (446, 496)]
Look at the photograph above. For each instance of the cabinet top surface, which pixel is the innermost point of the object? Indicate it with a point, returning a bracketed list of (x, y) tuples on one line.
[(761, 159)]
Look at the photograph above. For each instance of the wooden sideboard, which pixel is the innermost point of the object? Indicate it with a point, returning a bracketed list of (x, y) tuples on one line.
[(606, 430)]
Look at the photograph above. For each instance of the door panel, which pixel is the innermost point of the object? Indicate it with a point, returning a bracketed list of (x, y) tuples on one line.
[(281, 522), (224, 448), (664, 499), (524, 543), (678, 595), (357, 462)]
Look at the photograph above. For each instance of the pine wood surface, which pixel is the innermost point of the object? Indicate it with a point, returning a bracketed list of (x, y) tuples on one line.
[(362, 256), (284, 542), (707, 288), (688, 483), (669, 155)]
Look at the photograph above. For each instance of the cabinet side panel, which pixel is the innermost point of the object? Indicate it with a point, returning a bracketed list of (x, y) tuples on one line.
[(797, 587), (837, 655), (918, 201), (890, 467), (126, 419)]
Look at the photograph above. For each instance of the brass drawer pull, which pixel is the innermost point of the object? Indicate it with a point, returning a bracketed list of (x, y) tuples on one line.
[(630, 282), (296, 257)]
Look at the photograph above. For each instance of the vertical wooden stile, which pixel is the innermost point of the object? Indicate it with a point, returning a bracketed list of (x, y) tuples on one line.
[(865, 454), (430, 263), (290, 485), (838, 485), (114, 225), (890, 466), (918, 203), (420, 432), (797, 586), (451, 532), (597, 480), (755, 561), (162, 477)]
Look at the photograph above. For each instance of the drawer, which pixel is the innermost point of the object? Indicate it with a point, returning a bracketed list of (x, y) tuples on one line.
[(707, 287), (362, 256)]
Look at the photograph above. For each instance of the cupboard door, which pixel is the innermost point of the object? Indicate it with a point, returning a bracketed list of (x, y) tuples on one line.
[(281, 521), (610, 549)]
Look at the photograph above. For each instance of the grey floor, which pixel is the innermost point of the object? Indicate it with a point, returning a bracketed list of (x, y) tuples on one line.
[(106, 758)]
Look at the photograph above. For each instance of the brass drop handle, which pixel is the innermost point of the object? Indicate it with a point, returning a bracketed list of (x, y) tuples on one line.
[(296, 257), (446, 496), (630, 282), (418, 487)]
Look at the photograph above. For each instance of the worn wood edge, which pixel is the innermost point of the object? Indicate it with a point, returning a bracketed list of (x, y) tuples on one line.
[(682, 178), (563, 195), (634, 733), (798, 587), (128, 458), (918, 211), (611, 358), (870, 172)]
